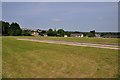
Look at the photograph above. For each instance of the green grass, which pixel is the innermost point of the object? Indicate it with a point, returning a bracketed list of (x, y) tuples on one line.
[(0, 57), (75, 39), (26, 59)]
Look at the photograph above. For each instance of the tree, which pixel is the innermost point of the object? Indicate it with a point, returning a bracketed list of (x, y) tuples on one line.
[(68, 33), (91, 34), (26, 32), (14, 30), (50, 32), (61, 32), (5, 28), (43, 32), (55, 32)]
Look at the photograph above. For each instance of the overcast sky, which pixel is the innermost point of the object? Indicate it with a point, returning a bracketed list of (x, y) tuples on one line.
[(72, 16)]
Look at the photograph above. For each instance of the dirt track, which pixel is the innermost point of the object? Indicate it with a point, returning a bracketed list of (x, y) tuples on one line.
[(75, 43)]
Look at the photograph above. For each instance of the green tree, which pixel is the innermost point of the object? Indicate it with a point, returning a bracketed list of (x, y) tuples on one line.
[(5, 28), (14, 30), (50, 32), (55, 32), (67, 33), (61, 32), (43, 32), (26, 32), (90, 35)]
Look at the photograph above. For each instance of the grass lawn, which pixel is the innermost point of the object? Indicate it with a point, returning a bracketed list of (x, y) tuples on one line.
[(0, 57), (76, 39), (26, 59)]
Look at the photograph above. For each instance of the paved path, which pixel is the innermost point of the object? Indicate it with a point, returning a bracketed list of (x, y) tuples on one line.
[(75, 43)]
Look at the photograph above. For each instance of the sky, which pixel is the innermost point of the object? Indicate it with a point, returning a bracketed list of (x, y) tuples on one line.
[(70, 16), (59, 0)]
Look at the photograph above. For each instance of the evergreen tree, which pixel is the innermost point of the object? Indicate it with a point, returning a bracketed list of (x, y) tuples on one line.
[(14, 30), (5, 28)]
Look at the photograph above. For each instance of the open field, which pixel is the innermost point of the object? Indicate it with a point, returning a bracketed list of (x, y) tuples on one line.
[(76, 39), (0, 57), (22, 59), (71, 43)]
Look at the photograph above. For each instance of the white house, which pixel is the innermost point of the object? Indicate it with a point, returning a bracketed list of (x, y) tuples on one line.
[(65, 36), (34, 33), (76, 35), (45, 35), (82, 35), (97, 35)]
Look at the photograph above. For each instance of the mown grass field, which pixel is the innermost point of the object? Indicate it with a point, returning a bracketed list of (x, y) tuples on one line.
[(76, 39), (0, 57), (26, 59)]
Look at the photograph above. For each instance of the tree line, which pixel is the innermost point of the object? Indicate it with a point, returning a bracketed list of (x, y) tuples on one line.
[(53, 32), (14, 29)]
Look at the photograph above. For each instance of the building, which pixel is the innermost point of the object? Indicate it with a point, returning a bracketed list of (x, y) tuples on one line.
[(35, 33), (76, 35), (97, 35), (65, 36), (45, 35)]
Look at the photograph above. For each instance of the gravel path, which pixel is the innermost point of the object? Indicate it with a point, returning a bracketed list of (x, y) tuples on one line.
[(75, 43)]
